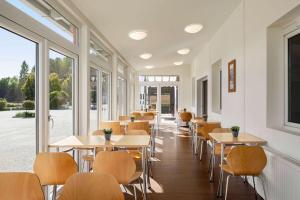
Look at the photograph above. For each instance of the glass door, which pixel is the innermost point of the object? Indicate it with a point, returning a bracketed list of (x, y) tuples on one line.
[(18, 101), (61, 94), (148, 97), (105, 93), (168, 101)]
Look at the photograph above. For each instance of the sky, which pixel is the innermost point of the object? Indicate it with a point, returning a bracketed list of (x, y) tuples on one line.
[(14, 49)]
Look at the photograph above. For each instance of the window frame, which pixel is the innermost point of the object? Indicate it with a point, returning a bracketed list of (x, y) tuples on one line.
[(288, 33)]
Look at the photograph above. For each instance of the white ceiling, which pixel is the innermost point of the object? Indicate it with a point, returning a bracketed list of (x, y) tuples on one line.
[(164, 20)]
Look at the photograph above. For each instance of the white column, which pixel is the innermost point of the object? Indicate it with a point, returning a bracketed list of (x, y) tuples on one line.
[(84, 82), (114, 82)]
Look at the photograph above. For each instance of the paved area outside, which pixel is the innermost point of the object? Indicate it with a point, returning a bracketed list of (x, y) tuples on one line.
[(18, 138)]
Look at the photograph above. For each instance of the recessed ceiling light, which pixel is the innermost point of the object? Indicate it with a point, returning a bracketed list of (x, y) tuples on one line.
[(183, 51), (137, 34), (193, 28), (146, 56), (178, 63), (149, 67)]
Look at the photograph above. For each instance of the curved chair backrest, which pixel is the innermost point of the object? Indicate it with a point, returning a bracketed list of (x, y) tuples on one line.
[(221, 130), (247, 160), (142, 125), (54, 168), (147, 117), (136, 132), (124, 118), (186, 116), (98, 132), (91, 186), (114, 125), (149, 114), (137, 115), (207, 128), (120, 164), (20, 186)]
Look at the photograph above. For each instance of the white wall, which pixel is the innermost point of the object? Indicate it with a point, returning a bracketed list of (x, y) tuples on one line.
[(184, 88), (244, 37), (227, 44)]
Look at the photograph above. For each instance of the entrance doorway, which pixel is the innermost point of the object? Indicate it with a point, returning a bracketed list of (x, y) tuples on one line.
[(168, 102), (202, 85)]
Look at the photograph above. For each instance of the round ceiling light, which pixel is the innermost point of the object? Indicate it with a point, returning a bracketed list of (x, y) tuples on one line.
[(178, 63), (193, 28), (146, 56), (138, 34), (149, 67), (184, 51)]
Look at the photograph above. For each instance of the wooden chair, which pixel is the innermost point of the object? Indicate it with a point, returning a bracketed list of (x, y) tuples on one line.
[(91, 186), (20, 186), (142, 125), (244, 161), (148, 116), (186, 117), (137, 115), (114, 125), (120, 164), (136, 132), (203, 132), (54, 169), (124, 118)]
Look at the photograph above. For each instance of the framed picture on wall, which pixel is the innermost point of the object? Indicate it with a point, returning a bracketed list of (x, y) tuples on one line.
[(232, 76)]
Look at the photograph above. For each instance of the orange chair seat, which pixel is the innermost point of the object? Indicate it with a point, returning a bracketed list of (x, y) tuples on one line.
[(136, 154)]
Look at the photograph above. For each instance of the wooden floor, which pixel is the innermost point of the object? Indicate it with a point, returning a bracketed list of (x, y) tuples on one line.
[(179, 175)]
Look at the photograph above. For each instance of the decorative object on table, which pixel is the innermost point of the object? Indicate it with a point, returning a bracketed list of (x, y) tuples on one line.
[(232, 76), (132, 118), (235, 131), (107, 134)]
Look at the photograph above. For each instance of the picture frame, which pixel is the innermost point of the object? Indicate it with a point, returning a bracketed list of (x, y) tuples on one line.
[(232, 76)]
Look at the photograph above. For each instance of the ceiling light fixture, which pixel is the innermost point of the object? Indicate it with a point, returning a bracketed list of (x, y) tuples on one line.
[(149, 67), (178, 63), (138, 34), (193, 28), (183, 51), (146, 56)]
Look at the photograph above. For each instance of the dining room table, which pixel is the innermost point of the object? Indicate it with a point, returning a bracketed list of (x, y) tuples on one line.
[(227, 139), (83, 142)]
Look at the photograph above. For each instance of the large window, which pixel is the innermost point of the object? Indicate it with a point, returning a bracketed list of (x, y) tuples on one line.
[(61, 95), (18, 69), (94, 99), (293, 59), (44, 13), (105, 104)]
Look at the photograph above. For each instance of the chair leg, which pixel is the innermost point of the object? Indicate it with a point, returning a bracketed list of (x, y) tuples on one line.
[(210, 162), (54, 192), (201, 149), (263, 186), (253, 179), (220, 186), (227, 184), (245, 179), (212, 168), (141, 185), (134, 190)]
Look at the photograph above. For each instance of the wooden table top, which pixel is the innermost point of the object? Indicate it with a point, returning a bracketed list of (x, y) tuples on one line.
[(134, 141), (197, 121), (245, 138)]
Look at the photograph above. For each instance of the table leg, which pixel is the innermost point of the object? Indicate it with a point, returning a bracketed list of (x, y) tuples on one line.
[(221, 171), (144, 161), (212, 161)]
